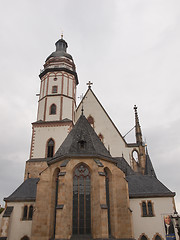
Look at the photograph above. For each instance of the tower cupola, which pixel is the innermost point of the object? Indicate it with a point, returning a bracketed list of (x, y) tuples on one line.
[(61, 45), (61, 51)]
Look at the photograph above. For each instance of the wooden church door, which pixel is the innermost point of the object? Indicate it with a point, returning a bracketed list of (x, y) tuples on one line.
[(81, 200)]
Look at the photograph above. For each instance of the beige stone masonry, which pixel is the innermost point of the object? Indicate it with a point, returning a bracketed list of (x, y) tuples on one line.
[(120, 216)]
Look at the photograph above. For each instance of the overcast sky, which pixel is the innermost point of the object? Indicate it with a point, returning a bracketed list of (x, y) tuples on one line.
[(129, 49)]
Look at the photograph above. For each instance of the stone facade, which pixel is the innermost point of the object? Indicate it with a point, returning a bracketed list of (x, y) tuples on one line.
[(82, 180), (119, 202)]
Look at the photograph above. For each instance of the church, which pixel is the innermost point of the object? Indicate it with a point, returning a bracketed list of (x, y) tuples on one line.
[(82, 179)]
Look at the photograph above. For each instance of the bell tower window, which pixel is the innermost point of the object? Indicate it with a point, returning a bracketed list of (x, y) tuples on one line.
[(50, 148), (53, 109), (54, 89)]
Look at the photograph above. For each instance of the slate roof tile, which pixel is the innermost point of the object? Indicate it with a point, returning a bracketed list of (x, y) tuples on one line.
[(82, 141), (146, 186), (25, 192)]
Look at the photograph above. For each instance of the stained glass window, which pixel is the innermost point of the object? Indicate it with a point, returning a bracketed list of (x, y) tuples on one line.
[(81, 200), (108, 200)]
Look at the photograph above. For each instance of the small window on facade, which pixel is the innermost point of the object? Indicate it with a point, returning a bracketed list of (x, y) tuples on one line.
[(144, 209), (54, 89), (147, 209), (25, 238), (101, 137), (150, 210), (143, 237), (50, 148), (55, 79), (91, 120), (53, 109), (30, 212), (25, 210), (157, 237)]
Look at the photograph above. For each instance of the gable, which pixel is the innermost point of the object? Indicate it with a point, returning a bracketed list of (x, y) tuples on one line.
[(103, 125)]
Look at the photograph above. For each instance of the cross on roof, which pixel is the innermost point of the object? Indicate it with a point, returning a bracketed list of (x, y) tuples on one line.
[(89, 84)]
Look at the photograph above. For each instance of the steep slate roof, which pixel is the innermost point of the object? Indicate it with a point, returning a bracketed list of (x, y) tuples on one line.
[(82, 141), (8, 211), (25, 192), (147, 186), (124, 166), (149, 170)]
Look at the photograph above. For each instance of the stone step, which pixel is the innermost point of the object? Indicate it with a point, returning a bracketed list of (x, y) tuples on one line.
[(87, 237), (81, 237)]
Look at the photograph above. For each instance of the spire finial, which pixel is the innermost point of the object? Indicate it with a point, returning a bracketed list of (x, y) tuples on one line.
[(62, 35), (89, 84), (137, 126)]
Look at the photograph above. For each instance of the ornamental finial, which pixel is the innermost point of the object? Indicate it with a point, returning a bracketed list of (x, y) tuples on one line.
[(62, 35)]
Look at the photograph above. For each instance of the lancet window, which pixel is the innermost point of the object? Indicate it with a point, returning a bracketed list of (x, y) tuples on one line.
[(147, 209), (27, 212), (143, 237), (81, 200), (108, 199), (53, 109), (50, 148)]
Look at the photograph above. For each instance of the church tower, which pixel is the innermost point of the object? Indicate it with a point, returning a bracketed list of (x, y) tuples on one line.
[(57, 99), (56, 105), (83, 180)]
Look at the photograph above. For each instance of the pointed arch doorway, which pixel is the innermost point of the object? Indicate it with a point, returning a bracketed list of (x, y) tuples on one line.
[(81, 200)]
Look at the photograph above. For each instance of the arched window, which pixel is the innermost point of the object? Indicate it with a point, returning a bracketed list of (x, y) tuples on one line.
[(53, 109), (91, 121), (150, 210), (81, 200), (135, 155), (25, 238), (50, 148), (143, 237), (30, 212), (101, 137), (157, 237), (108, 200), (25, 210), (144, 209)]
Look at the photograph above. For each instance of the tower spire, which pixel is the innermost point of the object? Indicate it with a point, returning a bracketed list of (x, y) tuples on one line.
[(137, 127)]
